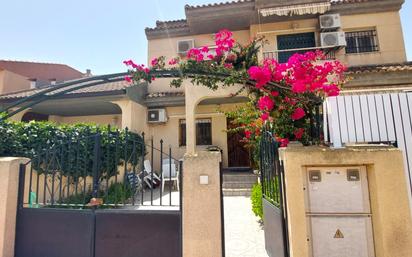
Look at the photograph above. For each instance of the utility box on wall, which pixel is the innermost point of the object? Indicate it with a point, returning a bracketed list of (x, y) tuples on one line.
[(332, 212), (338, 212)]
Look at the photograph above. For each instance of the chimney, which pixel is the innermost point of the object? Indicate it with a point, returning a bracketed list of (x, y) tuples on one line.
[(88, 73), (33, 83)]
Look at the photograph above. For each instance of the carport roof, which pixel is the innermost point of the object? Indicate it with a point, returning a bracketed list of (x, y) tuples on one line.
[(110, 88)]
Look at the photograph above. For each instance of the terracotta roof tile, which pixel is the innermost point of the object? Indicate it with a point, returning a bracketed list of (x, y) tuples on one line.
[(350, 1), (164, 25), (217, 4), (102, 88), (41, 71), (176, 24), (391, 67), (187, 7)]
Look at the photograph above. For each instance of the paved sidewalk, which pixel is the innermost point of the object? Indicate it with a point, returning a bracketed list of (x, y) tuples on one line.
[(244, 235)]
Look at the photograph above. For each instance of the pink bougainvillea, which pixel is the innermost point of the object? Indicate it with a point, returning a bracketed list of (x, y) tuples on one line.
[(299, 133), (281, 93), (154, 62), (264, 116), (128, 79), (224, 41), (262, 75), (248, 134), (283, 142), (298, 114), (173, 61), (265, 103)]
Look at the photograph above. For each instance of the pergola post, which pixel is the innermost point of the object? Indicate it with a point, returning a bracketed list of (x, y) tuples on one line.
[(190, 109), (133, 115)]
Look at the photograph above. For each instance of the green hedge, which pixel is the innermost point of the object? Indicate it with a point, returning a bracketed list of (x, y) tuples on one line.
[(71, 145), (256, 198)]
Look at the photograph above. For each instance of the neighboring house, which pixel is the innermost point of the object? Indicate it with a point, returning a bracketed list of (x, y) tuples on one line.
[(190, 117), (18, 75)]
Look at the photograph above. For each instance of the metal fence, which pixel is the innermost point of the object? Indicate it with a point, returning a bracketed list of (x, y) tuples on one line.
[(110, 170), (273, 181), (100, 196), (372, 117)]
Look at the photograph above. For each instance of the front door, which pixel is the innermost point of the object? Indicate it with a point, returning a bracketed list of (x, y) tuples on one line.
[(239, 155)]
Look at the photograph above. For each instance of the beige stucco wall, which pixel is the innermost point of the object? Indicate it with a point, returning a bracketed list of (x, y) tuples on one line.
[(168, 46), (134, 116), (387, 24), (391, 219), (163, 85), (169, 131), (114, 120), (390, 38), (9, 181), (12, 82), (202, 224)]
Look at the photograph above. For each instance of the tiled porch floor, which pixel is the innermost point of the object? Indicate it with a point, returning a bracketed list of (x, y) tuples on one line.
[(244, 235)]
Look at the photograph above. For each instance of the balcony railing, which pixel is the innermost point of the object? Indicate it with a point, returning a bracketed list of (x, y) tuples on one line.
[(282, 56)]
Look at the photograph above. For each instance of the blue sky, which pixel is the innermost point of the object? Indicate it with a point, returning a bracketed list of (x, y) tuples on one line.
[(96, 34)]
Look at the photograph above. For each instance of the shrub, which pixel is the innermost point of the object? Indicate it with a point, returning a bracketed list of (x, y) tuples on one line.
[(117, 193), (256, 198), (71, 144)]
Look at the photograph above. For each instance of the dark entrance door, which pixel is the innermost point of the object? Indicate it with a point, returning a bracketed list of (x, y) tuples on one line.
[(238, 154), (294, 41)]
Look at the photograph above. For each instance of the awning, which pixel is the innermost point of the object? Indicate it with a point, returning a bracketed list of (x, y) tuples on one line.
[(301, 9)]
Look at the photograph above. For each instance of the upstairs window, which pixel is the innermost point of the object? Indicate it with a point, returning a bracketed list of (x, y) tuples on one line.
[(361, 42), (294, 42), (203, 132)]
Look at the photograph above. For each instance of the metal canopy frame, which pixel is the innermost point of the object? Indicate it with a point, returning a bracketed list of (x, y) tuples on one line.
[(67, 87)]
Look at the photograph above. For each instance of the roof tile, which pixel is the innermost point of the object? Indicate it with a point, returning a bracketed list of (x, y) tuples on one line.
[(106, 87), (391, 67)]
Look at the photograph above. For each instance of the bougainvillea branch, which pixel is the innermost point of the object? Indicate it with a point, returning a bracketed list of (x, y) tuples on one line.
[(282, 95)]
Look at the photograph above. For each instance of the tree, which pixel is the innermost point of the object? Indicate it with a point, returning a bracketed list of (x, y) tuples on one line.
[(282, 95)]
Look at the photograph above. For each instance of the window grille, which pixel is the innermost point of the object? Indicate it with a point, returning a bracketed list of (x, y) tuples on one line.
[(361, 41), (203, 132)]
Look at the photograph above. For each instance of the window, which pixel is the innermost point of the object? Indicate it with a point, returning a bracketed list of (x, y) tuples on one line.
[(361, 42), (203, 132), (294, 42)]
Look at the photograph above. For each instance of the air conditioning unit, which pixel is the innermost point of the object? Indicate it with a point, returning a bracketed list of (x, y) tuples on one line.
[(183, 46), (156, 116), (330, 21), (330, 39)]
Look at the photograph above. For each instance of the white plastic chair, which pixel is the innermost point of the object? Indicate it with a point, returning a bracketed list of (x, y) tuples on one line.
[(170, 173), (149, 174)]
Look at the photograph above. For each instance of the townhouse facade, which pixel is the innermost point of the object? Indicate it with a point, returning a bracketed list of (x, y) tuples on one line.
[(366, 35)]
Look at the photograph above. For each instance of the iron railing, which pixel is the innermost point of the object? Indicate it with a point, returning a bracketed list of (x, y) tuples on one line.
[(283, 56), (272, 179), (106, 170), (270, 169)]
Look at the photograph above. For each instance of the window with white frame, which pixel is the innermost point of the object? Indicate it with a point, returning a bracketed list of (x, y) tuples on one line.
[(365, 41)]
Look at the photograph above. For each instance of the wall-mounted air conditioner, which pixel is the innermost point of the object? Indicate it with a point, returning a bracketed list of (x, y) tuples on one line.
[(330, 39), (330, 21), (156, 116), (183, 46)]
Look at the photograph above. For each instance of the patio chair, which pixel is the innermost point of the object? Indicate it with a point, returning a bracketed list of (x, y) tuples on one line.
[(170, 173), (149, 174), (134, 181)]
